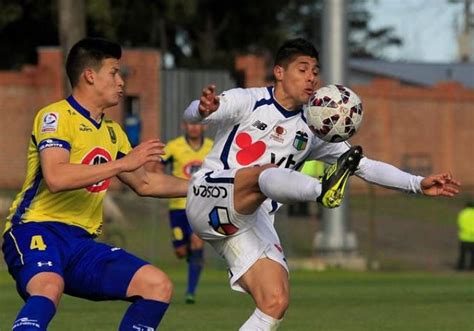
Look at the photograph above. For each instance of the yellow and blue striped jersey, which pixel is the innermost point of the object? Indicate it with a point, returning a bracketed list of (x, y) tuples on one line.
[(185, 161), (66, 124)]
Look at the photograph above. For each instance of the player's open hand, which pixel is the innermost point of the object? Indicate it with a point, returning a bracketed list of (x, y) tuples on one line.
[(440, 185), (147, 151), (209, 101)]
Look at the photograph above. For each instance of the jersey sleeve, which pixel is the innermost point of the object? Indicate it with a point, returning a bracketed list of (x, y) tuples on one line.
[(52, 128), (232, 105), (169, 150), (389, 176), (326, 152), (124, 144)]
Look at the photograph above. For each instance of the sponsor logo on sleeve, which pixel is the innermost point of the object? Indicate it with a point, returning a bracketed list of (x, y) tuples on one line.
[(48, 143), (50, 122)]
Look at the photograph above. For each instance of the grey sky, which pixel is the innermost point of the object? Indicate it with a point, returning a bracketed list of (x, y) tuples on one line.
[(428, 28)]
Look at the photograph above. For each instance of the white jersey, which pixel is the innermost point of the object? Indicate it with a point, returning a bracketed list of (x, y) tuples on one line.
[(252, 128)]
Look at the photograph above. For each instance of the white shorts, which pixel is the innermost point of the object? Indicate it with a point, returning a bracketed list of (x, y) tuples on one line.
[(240, 239)]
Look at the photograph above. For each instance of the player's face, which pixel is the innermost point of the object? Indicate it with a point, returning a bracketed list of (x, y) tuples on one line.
[(109, 83), (297, 81), (194, 131)]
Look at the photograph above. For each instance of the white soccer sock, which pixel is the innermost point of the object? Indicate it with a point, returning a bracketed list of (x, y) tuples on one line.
[(286, 185), (259, 321)]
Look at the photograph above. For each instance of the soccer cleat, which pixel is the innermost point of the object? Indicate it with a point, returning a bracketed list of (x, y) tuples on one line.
[(190, 298), (335, 177)]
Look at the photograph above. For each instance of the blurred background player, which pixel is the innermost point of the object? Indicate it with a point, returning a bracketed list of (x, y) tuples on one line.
[(466, 237), (74, 151), (185, 155)]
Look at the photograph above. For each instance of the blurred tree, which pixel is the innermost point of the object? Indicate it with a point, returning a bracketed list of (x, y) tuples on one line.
[(72, 28), (203, 33), (25, 25)]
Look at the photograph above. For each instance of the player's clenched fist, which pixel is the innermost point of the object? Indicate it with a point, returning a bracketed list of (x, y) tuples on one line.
[(147, 151), (209, 101)]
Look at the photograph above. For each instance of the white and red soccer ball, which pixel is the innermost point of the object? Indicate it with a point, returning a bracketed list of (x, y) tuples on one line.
[(334, 113)]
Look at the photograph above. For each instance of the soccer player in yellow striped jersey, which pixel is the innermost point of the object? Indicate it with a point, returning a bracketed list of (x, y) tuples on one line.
[(185, 154), (74, 150)]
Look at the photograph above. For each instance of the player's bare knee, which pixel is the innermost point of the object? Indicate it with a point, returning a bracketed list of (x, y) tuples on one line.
[(181, 252), (274, 304), (156, 286), (48, 284), (151, 283), (161, 289)]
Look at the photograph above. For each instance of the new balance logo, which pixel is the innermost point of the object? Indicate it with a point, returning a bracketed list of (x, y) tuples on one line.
[(41, 264), (259, 125)]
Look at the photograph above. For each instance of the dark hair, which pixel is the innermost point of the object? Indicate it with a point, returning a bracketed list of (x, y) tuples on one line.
[(89, 52), (292, 48)]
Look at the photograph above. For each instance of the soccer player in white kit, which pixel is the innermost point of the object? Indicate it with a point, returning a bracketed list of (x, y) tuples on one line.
[(262, 139)]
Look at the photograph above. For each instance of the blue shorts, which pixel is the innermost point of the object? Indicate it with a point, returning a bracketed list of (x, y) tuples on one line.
[(90, 269), (180, 228)]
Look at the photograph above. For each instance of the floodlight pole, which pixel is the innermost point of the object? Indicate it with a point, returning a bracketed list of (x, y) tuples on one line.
[(335, 237)]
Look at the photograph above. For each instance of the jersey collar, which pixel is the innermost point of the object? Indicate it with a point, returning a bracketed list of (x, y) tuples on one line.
[(84, 112), (280, 108), (189, 143)]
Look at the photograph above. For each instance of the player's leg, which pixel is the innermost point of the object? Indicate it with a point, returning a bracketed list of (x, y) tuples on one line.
[(32, 256), (267, 283), (257, 265), (462, 255), (102, 272), (152, 290), (253, 185), (187, 245), (195, 265), (179, 231), (286, 185), (471, 252)]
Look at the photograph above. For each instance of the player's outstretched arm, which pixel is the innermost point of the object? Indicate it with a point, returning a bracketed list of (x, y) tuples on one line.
[(440, 185), (61, 175), (155, 184)]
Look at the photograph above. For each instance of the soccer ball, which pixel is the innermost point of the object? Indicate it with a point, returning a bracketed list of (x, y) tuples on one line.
[(334, 113)]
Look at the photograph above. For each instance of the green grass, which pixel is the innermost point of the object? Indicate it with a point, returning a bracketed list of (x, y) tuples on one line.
[(322, 301)]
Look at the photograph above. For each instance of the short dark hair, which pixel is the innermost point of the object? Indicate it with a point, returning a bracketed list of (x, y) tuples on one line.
[(292, 48), (89, 52)]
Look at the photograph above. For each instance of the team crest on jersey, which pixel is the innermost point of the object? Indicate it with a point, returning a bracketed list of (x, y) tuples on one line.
[(220, 222), (112, 135), (50, 122), (278, 134), (190, 168), (300, 140), (97, 155)]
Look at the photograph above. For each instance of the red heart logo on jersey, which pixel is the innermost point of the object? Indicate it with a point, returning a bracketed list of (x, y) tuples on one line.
[(249, 151)]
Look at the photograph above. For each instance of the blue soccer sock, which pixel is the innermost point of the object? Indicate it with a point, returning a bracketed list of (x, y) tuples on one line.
[(143, 314), (195, 262), (35, 314)]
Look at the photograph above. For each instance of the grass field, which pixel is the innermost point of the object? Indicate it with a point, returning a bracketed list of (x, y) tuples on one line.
[(320, 301)]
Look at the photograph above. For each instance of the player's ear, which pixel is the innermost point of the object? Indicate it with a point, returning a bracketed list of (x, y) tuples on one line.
[(88, 75), (278, 72)]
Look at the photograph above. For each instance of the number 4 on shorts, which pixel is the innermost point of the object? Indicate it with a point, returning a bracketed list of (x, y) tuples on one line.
[(37, 243)]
